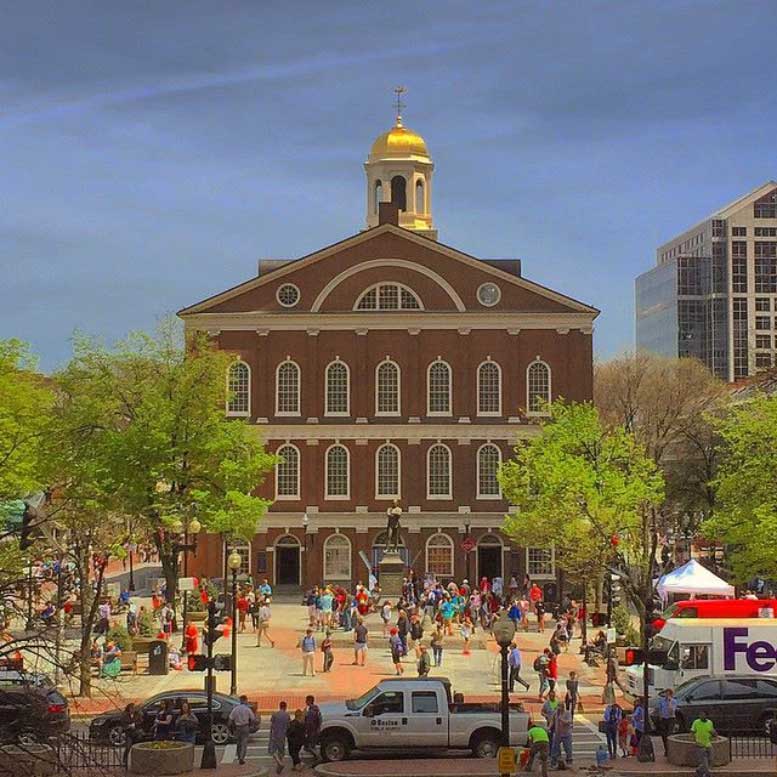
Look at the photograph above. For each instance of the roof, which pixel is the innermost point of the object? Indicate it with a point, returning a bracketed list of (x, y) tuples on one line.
[(764, 383)]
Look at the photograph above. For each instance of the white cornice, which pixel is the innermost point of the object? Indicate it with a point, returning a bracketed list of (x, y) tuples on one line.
[(360, 321), (398, 431)]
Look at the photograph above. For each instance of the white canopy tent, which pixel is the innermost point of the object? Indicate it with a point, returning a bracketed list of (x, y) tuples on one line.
[(692, 578)]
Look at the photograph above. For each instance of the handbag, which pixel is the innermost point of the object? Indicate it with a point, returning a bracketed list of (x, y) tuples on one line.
[(580, 708), (602, 726)]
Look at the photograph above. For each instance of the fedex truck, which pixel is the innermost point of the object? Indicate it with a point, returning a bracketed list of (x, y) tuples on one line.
[(710, 647)]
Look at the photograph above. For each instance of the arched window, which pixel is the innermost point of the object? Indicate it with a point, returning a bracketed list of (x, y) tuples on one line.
[(378, 195), (287, 472), (244, 551), (420, 206), (239, 389), (338, 484), (439, 555), (387, 472), (337, 394), (399, 192), (337, 558), (387, 389), (489, 389), (489, 459), (388, 296), (439, 388), (537, 388), (287, 386), (438, 472)]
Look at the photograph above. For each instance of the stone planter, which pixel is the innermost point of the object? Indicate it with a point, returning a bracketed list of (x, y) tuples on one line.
[(28, 761), (682, 751), (198, 616), (168, 757), (140, 644)]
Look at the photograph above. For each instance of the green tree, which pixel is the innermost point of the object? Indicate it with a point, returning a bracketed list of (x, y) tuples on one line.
[(746, 514)]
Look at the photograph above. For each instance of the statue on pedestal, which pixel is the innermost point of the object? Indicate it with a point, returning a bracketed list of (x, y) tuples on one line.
[(392, 527)]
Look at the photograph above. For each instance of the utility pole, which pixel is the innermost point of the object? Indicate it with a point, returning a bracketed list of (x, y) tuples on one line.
[(209, 751)]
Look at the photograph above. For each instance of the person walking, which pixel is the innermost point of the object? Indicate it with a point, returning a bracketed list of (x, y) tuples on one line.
[(436, 641), (312, 725), (703, 731), (308, 647), (360, 638), (295, 736), (514, 662), (395, 643), (538, 743), (540, 666), (385, 616), (613, 715), (263, 624), (552, 669), (279, 727), (667, 708), (573, 692), (241, 719), (562, 736), (549, 709), (416, 634), (326, 649), (424, 662), (403, 629)]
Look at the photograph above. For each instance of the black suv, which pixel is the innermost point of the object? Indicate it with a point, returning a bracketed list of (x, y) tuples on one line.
[(734, 703), (30, 714), (108, 728)]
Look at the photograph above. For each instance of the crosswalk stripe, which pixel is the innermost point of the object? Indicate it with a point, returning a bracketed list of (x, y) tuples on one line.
[(230, 753)]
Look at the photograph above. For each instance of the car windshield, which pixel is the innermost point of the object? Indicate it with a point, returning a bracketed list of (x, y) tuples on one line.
[(355, 704)]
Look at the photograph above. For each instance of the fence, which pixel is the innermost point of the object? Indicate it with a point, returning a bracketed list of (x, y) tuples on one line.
[(76, 752), (752, 747)]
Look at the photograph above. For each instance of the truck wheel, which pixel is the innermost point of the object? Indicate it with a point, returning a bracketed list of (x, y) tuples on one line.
[(335, 747), (485, 745)]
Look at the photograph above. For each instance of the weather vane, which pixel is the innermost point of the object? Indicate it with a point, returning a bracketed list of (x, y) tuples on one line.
[(399, 91)]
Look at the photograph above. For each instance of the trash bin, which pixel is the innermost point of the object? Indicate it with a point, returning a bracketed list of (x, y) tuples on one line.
[(157, 657)]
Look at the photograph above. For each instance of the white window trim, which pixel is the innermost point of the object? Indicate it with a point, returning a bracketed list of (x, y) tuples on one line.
[(288, 413), (338, 413), (439, 413), (288, 497), (552, 561), (480, 494), (398, 495), (327, 576), (399, 390), (378, 309), (278, 295), (239, 413), (539, 413), (338, 497), (452, 547), (490, 413), (439, 497)]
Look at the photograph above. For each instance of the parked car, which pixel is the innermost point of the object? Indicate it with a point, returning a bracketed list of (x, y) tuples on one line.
[(14, 677), (735, 704), (420, 714), (107, 727), (30, 714)]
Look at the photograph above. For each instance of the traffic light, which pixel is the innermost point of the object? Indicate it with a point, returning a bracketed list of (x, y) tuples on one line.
[(197, 663), (222, 663), (633, 657), (25, 537), (615, 591), (209, 637)]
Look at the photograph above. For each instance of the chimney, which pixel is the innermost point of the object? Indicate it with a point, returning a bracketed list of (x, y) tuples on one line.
[(388, 213)]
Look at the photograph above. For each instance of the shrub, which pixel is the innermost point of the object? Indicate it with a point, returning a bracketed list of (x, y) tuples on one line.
[(147, 625), (621, 620), (120, 636)]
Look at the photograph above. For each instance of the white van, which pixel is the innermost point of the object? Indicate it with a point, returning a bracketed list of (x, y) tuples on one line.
[(711, 648)]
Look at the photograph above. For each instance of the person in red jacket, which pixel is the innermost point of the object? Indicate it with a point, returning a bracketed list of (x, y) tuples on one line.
[(552, 668)]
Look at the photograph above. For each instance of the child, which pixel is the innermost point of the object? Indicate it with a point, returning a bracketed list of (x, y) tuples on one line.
[(466, 635), (326, 649), (625, 732)]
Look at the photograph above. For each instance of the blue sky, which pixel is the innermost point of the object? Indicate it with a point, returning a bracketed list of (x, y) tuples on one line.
[(151, 152)]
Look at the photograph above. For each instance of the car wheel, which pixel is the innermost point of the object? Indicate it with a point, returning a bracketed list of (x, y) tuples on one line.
[(219, 732), (117, 736), (768, 723), (27, 738), (334, 748), (486, 746)]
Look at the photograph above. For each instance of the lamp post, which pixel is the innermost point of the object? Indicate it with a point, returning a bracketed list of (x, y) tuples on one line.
[(504, 631), (234, 562), (193, 526)]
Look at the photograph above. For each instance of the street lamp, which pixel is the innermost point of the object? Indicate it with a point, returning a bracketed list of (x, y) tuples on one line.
[(468, 552), (234, 562), (178, 527), (504, 632)]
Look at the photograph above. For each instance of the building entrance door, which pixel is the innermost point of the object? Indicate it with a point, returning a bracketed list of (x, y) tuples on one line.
[(489, 558), (287, 561)]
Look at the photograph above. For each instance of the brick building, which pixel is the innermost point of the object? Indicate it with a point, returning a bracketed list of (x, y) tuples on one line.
[(386, 367)]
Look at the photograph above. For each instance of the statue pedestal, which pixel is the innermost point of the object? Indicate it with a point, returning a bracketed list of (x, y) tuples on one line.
[(391, 571)]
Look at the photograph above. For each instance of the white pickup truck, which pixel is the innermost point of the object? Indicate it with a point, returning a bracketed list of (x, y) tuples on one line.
[(401, 715)]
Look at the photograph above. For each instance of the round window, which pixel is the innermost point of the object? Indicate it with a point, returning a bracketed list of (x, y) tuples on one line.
[(288, 295), (489, 294)]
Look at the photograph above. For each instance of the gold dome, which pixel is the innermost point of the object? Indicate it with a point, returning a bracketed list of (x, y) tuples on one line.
[(399, 141)]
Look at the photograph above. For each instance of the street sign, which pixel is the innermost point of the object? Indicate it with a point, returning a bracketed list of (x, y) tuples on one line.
[(468, 544), (506, 761), (186, 583)]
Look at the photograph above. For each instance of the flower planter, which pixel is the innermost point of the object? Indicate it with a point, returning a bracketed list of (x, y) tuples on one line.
[(199, 616), (37, 760), (682, 751), (167, 757)]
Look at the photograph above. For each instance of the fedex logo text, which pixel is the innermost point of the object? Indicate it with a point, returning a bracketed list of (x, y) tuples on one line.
[(761, 656)]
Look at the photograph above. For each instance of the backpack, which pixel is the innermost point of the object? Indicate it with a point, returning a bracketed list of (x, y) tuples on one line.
[(537, 665)]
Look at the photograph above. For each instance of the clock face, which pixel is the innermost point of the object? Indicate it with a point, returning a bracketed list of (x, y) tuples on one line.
[(489, 294)]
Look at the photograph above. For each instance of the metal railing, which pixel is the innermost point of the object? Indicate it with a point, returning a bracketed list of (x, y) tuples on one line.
[(751, 747), (77, 752)]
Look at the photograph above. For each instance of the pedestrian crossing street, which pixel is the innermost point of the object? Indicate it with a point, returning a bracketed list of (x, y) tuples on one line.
[(585, 741)]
